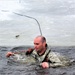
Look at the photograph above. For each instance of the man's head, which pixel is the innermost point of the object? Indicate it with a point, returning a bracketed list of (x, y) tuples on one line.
[(39, 43)]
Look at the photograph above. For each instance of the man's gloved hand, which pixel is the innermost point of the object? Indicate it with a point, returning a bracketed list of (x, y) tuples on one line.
[(29, 51)]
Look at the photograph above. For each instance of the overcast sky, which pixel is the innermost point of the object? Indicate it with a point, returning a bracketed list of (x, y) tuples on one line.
[(56, 17)]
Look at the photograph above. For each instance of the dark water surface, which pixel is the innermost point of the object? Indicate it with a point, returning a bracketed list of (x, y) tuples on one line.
[(11, 68)]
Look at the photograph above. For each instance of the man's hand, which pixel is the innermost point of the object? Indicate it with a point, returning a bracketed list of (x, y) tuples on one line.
[(45, 65), (9, 54)]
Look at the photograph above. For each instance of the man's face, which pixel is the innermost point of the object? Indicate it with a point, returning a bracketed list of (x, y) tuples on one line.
[(38, 44)]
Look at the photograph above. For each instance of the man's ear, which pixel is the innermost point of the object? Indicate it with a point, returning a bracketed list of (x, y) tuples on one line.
[(44, 44)]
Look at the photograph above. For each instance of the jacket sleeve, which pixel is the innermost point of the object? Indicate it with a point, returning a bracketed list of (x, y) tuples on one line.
[(29, 51), (57, 60)]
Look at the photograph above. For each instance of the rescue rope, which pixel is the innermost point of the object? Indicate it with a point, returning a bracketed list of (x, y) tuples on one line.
[(31, 18), (27, 17)]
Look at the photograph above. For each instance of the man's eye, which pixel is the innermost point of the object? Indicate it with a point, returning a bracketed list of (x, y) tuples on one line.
[(36, 43)]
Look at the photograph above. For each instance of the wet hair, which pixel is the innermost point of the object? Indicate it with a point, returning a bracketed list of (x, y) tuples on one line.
[(43, 39)]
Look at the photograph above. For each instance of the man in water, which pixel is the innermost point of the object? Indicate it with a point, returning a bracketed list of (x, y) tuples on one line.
[(42, 53)]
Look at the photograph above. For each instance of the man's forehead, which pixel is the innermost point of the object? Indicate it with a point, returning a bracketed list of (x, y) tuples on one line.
[(38, 38)]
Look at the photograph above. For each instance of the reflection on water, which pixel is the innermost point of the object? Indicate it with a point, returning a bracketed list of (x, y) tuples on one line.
[(12, 68)]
